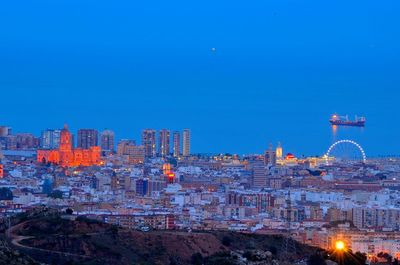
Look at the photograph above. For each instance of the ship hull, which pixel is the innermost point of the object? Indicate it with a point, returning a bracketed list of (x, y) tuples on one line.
[(348, 123)]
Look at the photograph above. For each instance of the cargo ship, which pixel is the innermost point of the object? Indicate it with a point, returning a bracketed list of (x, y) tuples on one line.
[(344, 121)]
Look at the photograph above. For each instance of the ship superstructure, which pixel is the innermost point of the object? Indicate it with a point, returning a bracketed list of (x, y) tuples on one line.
[(345, 121)]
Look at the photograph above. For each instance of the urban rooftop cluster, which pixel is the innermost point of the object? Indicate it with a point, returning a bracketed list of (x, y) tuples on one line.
[(315, 200)]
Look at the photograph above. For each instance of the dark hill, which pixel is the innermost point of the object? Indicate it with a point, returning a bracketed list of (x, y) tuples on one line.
[(54, 240)]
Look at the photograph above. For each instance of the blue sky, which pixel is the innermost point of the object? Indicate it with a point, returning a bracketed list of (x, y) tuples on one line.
[(279, 70)]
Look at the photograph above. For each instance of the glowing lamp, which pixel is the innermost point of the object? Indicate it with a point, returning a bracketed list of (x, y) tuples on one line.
[(339, 245)]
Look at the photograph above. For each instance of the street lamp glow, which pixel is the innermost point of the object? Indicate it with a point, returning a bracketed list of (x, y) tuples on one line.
[(339, 245)]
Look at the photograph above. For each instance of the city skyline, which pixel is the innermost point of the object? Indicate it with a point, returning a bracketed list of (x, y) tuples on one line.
[(200, 132), (48, 139), (277, 73)]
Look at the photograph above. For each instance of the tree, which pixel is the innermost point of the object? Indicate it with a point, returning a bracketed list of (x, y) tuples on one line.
[(6, 194), (47, 186), (316, 259), (57, 194), (69, 211), (197, 259), (226, 241), (348, 258), (386, 256)]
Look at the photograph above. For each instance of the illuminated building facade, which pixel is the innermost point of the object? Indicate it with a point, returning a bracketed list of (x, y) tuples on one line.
[(67, 156), (149, 142), (163, 143), (279, 151), (1, 171), (169, 175), (186, 142), (177, 144)]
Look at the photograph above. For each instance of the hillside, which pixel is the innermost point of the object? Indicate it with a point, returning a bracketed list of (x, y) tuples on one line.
[(53, 240), (8, 256)]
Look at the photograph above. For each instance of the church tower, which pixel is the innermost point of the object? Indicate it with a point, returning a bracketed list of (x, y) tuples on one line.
[(65, 140)]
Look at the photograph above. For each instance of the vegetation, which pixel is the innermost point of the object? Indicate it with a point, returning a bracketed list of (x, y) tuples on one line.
[(316, 259), (348, 257), (86, 241), (56, 194), (6, 194)]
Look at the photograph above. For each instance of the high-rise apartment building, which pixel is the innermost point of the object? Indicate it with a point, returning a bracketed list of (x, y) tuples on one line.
[(26, 141), (259, 174), (107, 141), (5, 131), (149, 142), (87, 138), (186, 142), (50, 139), (163, 143), (177, 144), (270, 156)]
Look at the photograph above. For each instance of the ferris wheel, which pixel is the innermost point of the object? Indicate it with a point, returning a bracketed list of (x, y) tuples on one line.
[(345, 151)]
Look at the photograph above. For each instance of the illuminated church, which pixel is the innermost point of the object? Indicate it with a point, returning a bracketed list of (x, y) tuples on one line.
[(67, 156)]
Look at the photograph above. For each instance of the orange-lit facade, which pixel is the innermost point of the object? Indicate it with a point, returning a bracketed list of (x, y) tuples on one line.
[(170, 176), (1, 171), (67, 156)]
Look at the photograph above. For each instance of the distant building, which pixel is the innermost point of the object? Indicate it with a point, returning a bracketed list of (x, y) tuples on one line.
[(279, 151), (135, 153), (149, 142), (123, 144), (107, 141), (262, 201), (177, 144), (259, 175), (87, 138), (270, 157), (275, 183), (164, 143), (26, 141), (186, 142), (11, 142), (66, 155), (50, 139), (1, 171), (146, 187), (155, 186), (5, 131), (141, 187)]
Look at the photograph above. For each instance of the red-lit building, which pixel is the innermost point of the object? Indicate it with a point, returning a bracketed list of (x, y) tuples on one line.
[(67, 156), (1, 171), (170, 176)]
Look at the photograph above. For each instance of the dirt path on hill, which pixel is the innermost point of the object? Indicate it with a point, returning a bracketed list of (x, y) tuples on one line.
[(16, 241)]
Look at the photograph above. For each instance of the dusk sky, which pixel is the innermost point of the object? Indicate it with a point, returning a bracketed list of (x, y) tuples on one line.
[(279, 70)]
